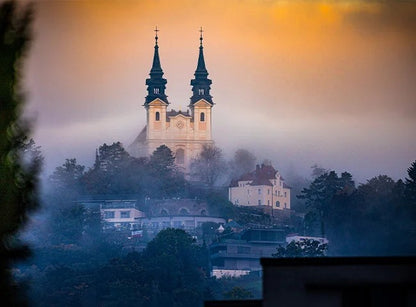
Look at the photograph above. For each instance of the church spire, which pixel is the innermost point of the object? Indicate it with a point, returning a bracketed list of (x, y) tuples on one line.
[(201, 83), (156, 84)]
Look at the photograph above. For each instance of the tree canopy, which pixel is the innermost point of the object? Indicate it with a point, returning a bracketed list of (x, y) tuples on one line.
[(209, 166), (302, 248), (18, 170)]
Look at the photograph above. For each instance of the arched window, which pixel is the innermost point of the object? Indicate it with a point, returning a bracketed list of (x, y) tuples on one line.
[(157, 116), (164, 212), (183, 211), (202, 117), (203, 212), (180, 156)]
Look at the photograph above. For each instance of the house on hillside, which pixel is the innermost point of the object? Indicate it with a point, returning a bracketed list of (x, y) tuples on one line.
[(262, 187), (237, 256)]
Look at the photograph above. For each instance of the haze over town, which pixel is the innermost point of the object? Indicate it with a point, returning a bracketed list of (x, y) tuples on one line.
[(299, 83)]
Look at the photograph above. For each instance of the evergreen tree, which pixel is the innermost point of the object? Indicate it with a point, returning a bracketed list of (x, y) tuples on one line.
[(18, 175), (66, 179), (323, 196), (410, 188)]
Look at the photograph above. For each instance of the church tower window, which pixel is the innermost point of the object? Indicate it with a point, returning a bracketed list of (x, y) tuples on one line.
[(156, 90), (180, 156), (202, 117), (157, 116), (201, 91)]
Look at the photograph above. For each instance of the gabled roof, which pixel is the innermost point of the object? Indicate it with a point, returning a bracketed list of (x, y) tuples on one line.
[(157, 101), (261, 176), (261, 181), (202, 101)]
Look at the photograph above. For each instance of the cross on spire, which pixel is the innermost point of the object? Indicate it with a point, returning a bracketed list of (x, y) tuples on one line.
[(200, 38), (156, 37)]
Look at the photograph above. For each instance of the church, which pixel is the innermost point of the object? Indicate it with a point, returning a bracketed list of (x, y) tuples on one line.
[(185, 133)]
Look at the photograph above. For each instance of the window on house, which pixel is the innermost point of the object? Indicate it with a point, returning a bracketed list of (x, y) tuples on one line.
[(157, 116), (202, 117), (259, 191), (285, 205), (156, 90), (278, 204), (268, 202), (268, 191), (259, 202), (108, 214), (285, 194), (201, 91), (183, 211), (124, 214)]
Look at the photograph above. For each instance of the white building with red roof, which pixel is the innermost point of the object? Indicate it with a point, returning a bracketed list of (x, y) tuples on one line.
[(262, 187)]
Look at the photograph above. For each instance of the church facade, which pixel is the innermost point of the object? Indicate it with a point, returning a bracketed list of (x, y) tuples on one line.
[(185, 133)]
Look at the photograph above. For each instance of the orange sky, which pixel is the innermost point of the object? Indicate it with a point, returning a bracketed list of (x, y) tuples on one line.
[(297, 82)]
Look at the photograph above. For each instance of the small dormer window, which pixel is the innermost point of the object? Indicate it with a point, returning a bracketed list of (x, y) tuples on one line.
[(156, 90), (157, 116), (201, 91), (202, 117)]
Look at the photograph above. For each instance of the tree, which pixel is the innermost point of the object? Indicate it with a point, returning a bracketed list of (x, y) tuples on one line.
[(318, 170), (116, 172), (410, 187), (162, 160), (238, 293), (110, 158), (165, 179), (208, 167), (177, 267), (302, 248), (242, 163), (18, 175), (68, 176), (324, 193)]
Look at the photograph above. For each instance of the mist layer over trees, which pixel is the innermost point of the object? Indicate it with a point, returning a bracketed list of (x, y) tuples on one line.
[(74, 262)]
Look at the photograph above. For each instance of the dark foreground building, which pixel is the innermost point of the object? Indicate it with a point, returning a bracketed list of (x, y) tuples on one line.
[(347, 282)]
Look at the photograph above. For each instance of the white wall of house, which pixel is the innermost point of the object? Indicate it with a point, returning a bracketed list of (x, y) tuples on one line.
[(275, 195)]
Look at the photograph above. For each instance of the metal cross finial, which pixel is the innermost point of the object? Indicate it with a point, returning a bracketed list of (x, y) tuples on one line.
[(156, 30), (200, 38)]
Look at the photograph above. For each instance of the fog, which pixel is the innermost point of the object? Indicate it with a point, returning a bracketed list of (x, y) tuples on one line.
[(314, 152), (298, 83)]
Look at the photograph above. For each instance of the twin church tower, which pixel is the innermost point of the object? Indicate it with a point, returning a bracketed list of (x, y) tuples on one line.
[(185, 133)]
